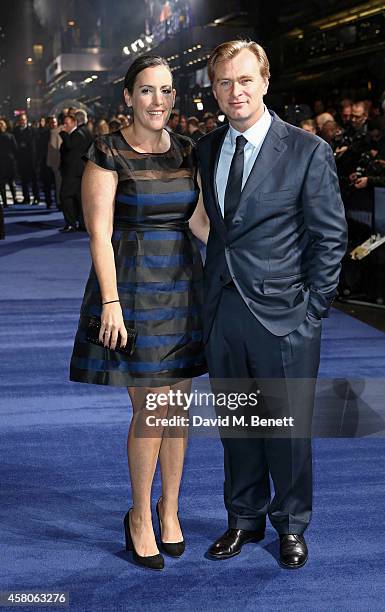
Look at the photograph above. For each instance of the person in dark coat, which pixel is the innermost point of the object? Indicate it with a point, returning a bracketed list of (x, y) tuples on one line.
[(46, 174), (8, 154), (76, 141), (27, 159), (277, 238), (193, 129)]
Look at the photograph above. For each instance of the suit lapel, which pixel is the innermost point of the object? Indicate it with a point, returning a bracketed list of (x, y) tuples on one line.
[(272, 148), (216, 146)]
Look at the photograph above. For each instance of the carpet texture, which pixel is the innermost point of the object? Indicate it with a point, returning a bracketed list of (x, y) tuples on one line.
[(64, 481)]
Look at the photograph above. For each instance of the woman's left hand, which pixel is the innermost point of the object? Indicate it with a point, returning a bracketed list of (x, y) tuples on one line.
[(112, 326)]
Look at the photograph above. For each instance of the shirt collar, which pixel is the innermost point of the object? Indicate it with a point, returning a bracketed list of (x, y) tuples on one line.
[(256, 132)]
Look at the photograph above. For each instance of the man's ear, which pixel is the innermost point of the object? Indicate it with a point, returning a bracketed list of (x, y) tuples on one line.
[(266, 86), (214, 92)]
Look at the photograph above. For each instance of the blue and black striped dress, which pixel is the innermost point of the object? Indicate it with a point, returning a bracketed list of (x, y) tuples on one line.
[(158, 267)]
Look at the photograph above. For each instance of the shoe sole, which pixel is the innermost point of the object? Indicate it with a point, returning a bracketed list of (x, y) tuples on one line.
[(223, 557), (293, 567), (168, 554), (146, 567)]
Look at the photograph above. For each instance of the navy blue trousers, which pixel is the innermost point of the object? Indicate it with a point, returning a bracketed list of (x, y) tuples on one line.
[(239, 347)]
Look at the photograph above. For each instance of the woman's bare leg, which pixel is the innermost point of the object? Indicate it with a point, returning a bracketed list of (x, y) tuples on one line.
[(171, 457), (143, 446)]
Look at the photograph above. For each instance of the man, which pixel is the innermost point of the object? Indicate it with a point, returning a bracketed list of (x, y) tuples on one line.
[(173, 122), (76, 141), (25, 137), (318, 107), (308, 125), (46, 174), (8, 155), (321, 119), (277, 237), (377, 137), (210, 123), (53, 154), (81, 121), (352, 158), (328, 131), (346, 112), (359, 117), (193, 129)]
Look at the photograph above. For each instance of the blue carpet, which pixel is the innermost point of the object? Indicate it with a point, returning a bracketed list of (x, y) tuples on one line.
[(64, 479)]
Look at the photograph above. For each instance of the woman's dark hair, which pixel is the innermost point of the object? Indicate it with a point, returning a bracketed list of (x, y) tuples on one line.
[(141, 63)]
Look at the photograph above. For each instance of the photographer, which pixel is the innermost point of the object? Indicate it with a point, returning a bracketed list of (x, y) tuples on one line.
[(366, 277), (352, 152)]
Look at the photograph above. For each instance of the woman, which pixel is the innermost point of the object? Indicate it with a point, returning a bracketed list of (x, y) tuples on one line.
[(140, 199)]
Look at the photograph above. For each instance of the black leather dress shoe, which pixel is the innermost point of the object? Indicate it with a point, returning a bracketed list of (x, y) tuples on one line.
[(293, 551), (231, 542)]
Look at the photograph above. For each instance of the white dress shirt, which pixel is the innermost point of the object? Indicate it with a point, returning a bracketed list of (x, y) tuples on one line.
[(255, 136)]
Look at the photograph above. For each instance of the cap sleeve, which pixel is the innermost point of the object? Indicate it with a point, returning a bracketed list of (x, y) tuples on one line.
[(100, 153)]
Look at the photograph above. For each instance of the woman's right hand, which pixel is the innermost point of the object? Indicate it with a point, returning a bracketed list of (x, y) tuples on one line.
[(112, 326)]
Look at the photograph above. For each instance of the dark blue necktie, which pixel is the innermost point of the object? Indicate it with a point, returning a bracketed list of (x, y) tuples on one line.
[(234, 182)]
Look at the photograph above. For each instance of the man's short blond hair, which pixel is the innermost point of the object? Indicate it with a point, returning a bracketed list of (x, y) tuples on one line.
[(230, 49)]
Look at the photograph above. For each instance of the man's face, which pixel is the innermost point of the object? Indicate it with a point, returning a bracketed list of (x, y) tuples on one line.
[(239, 88), (376, 135), (318, 107), (210, 125), (52, 122), (308, 128), (23, 121), (328, 131), (359, 116), (346, 113), (174, 122), (69, 124), (183, 123)]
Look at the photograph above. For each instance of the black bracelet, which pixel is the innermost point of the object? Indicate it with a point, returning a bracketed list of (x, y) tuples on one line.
[(110, 302)]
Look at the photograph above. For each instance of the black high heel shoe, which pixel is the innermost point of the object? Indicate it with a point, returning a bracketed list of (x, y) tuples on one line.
[(155, 562), (174, 549)]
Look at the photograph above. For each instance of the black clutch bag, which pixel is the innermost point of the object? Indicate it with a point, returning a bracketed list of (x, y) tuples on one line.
[(93, 331)]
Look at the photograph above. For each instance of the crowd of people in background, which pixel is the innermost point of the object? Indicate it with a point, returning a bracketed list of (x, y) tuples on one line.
[(46, 157), (356, 133)]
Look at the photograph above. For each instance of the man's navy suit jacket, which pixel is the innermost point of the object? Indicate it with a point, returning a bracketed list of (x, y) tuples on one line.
[(285, 243)]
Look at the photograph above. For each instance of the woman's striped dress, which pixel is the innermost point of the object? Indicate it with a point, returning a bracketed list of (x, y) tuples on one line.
[(158, 266)]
